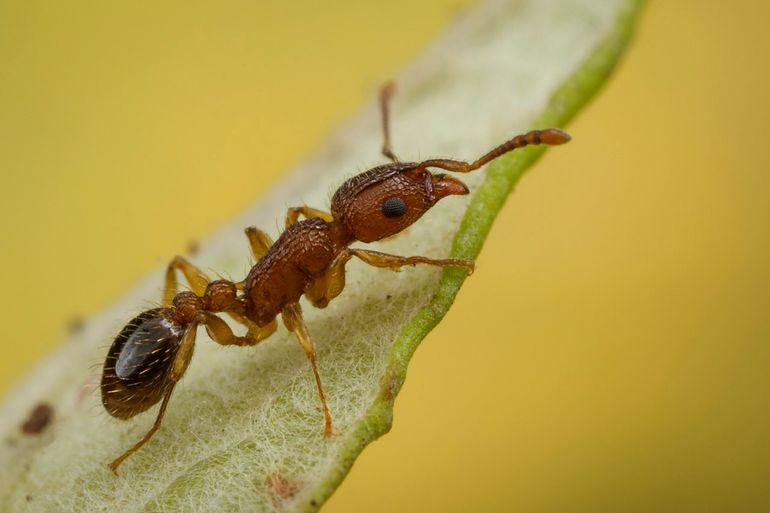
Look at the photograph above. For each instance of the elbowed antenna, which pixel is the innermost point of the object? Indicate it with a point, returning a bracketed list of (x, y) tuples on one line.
[(548, 136)]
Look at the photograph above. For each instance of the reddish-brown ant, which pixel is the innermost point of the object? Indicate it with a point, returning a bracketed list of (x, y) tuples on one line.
[(152, 352)]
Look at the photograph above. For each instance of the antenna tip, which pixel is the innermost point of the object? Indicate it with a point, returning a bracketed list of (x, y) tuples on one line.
[(554, 136)]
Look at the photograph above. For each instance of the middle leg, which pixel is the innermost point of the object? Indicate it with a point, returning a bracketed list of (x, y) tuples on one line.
[(292, 318), (259, 241), (292, 215)]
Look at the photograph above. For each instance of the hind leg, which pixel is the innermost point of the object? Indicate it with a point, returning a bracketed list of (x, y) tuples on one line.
[(178, 368), (221, 333)]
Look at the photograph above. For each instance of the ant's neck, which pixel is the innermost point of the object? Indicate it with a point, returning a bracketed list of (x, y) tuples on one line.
[(340, 235)]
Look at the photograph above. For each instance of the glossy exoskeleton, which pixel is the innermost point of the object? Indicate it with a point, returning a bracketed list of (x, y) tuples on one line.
[(138, 367), (152, 352)]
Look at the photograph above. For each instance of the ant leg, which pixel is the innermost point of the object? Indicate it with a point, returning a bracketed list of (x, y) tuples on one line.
[(221, 333), (259, 241), (549, 136), (292, 216), (330, 285), (196, 278), (120, 459), (386, 93), (292, 318), (181, 360), (395, 262)]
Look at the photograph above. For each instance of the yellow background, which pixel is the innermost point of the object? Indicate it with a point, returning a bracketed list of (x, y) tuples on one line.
[(629, 366)]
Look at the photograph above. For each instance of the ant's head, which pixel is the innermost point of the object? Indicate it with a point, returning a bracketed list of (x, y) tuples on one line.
[(386, 199)]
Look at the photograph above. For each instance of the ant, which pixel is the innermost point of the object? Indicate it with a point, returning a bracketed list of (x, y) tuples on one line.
[(152, 352)]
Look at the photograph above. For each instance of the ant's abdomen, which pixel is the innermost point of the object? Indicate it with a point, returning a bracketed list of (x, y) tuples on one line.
[(138, 363)]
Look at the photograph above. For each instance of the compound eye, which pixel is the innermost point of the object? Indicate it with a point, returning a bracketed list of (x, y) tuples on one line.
[(393, 207)]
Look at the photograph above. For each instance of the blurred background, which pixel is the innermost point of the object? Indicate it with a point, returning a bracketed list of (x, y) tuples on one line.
[(632, 362)]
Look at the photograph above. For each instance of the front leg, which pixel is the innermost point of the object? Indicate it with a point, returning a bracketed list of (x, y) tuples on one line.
[(395, 262), (330, 285)]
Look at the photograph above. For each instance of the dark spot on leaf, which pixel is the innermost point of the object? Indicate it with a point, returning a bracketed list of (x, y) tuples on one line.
[(38, 419)]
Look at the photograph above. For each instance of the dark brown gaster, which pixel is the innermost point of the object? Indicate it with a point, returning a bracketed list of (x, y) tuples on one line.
[(152, 352)]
